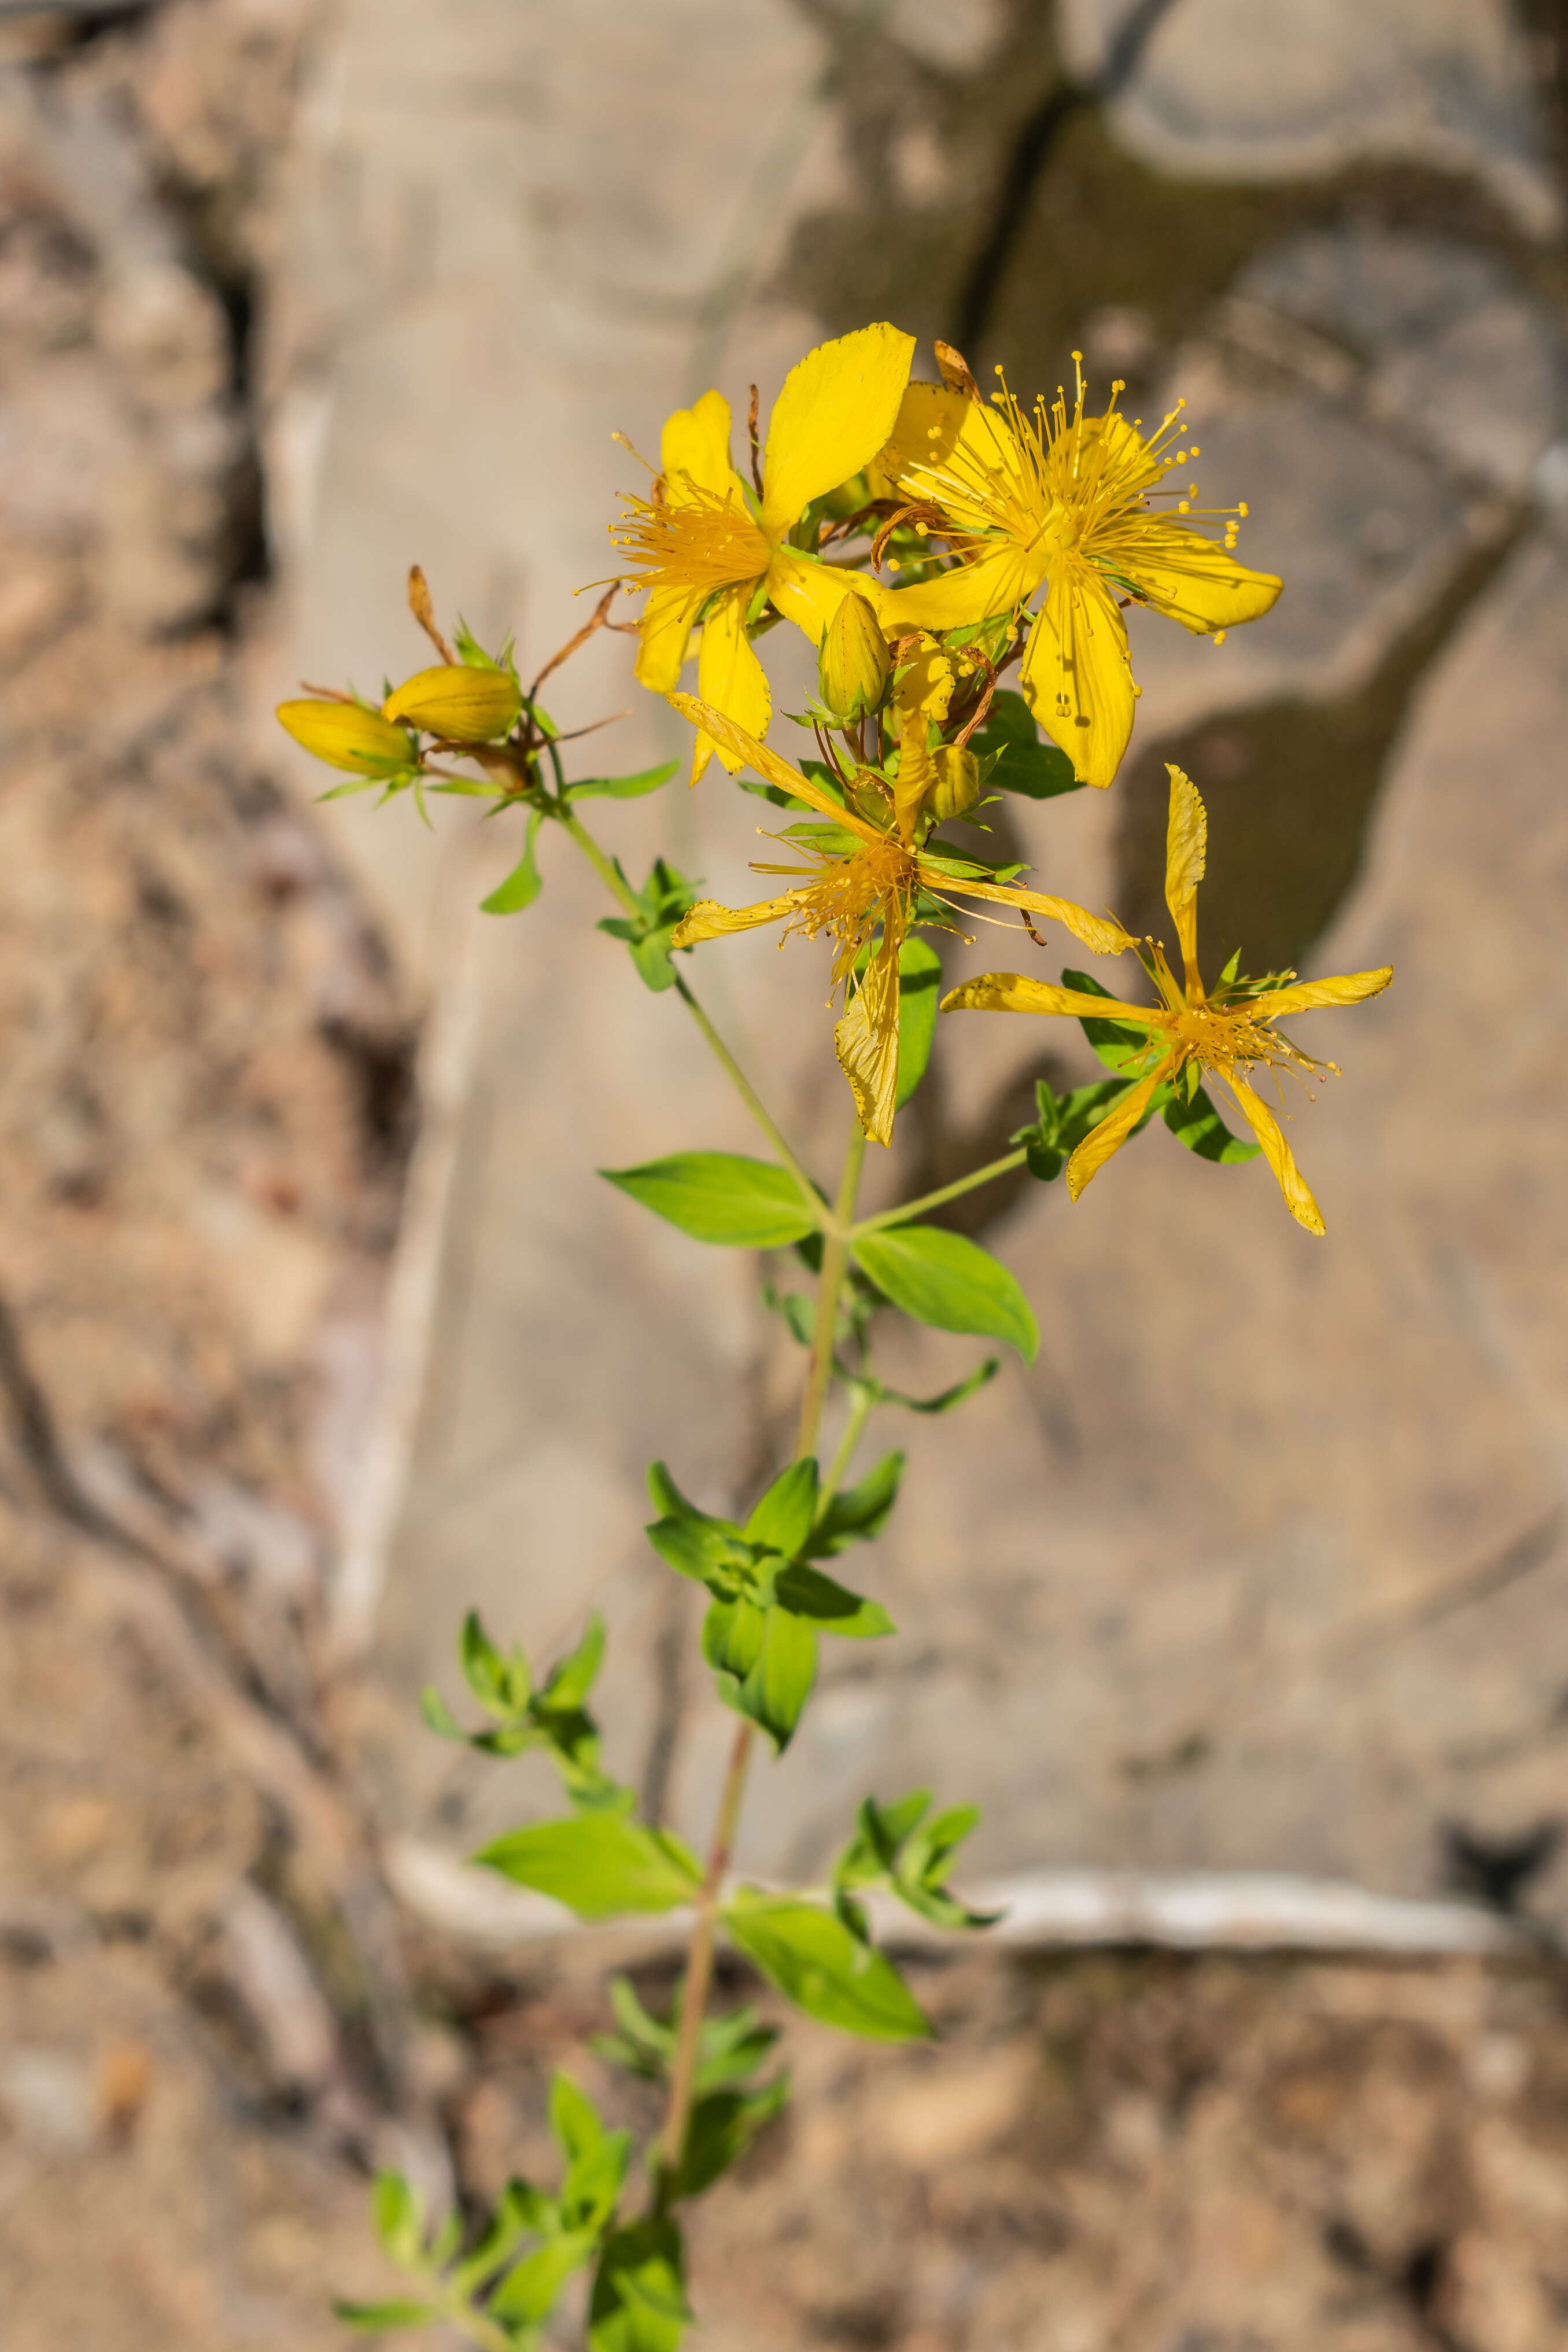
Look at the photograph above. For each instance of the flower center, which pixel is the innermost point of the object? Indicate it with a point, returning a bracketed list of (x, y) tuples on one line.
[(700, 541)]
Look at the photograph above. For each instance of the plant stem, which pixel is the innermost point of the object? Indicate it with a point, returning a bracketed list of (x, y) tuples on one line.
[(946, 1192), (699, 1967), (862, 1400), (835, 1254), (615, 881)]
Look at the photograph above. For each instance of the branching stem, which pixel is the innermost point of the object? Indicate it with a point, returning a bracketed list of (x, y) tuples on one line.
[(908, 1209)]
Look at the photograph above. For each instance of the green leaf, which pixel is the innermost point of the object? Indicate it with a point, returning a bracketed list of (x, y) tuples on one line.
[(722, 2127), (530, 2292), (812, 1958), (623, 788), (720, 1196), (856, 1513), (1115, 1042), (919, 987), (523, 884), (639, 2299), (397, 2215), (598, 1864), (940, 1278), (573, 2119), (1199, 1126), (782, 1520), (520, 2211), (500, 1684), (437, 1715), (807, 1592), (949, 1398), (764, 1662), (662, 901), (1022, 764), (569, 1684), (374, 2317)]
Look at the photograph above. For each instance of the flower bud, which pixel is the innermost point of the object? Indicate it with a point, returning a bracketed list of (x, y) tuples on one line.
[(854, 663), (347, 735), (460, 704), (956, 786)]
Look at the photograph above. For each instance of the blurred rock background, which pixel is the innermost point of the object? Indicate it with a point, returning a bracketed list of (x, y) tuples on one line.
[(303, 1339)]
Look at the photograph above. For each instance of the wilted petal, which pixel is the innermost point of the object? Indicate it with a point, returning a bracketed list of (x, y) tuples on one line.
[(1187, 860), (1277, 1153), (746, 751), (1114, 1128), (866, 1038), (1099, 932), (1015, 992), (709, 920)]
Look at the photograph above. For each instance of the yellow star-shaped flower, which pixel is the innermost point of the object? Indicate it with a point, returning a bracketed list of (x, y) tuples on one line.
[(853, 892), (1026, 497), (703, 543), (1224, 1034)]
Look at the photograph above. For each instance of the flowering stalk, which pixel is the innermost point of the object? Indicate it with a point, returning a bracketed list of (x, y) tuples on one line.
[(945, 519)]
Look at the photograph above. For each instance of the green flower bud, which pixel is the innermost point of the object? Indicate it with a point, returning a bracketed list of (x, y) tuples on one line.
[(956, 785), (854, 665), (347, 735), (460, 704)]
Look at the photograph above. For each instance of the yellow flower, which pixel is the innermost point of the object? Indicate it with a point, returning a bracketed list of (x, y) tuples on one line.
[(703, 540), (852, 893), (1223, 1034), (1022, 498), (347, 735)]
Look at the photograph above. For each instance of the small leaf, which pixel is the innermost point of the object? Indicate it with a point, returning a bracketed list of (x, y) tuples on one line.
[(371, 2317), (858, 1513), (639, 2299), (570, 1683), (720, 1196), (941, 1278), (764, 1662), (530, 2292), (782, 1520), (483, 1668), (1115, 1042), (807, 1592), (722, 2128), (437, 1715), (598, 1864), (815, 1961), (1022, 764), (397, 2214), (523, 884), (1199, 1126), (520, 2211), (949, 1398), (573, 2119), (623, 788), (919, 986)]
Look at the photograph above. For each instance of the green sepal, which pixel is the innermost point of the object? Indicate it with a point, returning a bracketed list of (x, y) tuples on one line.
[(598, 1864), (809, 1955), (721, 1196), (941, 1278), (524, 883)]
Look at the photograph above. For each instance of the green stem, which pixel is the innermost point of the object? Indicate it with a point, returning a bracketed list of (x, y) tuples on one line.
[(615, 881), (946, 1192), (699, 1967), (835, 1256), (862, 1400)]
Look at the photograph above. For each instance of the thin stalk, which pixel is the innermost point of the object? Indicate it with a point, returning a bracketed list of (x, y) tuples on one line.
[(862, 1400), (616, 882), (946, 1192), (699, 1967), (835, 1254)]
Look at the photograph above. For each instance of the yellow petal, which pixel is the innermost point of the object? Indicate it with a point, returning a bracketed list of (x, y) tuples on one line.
[(1076, 677), (1015, 992), (695, 445), (809, 594), (953, 452), (1114, 1128), (994, 584), (730, 678), (836, 410), (1192, 581), (709, 920), (662, 632), (1277, 1153), (1097, 931), (747, 753), (1186, 859), (1352, 987), (866, 1039)]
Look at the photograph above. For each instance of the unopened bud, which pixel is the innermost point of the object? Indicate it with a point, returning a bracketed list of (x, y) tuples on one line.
[(460, 704), (854, 665), (347, 735), (956, 786)]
